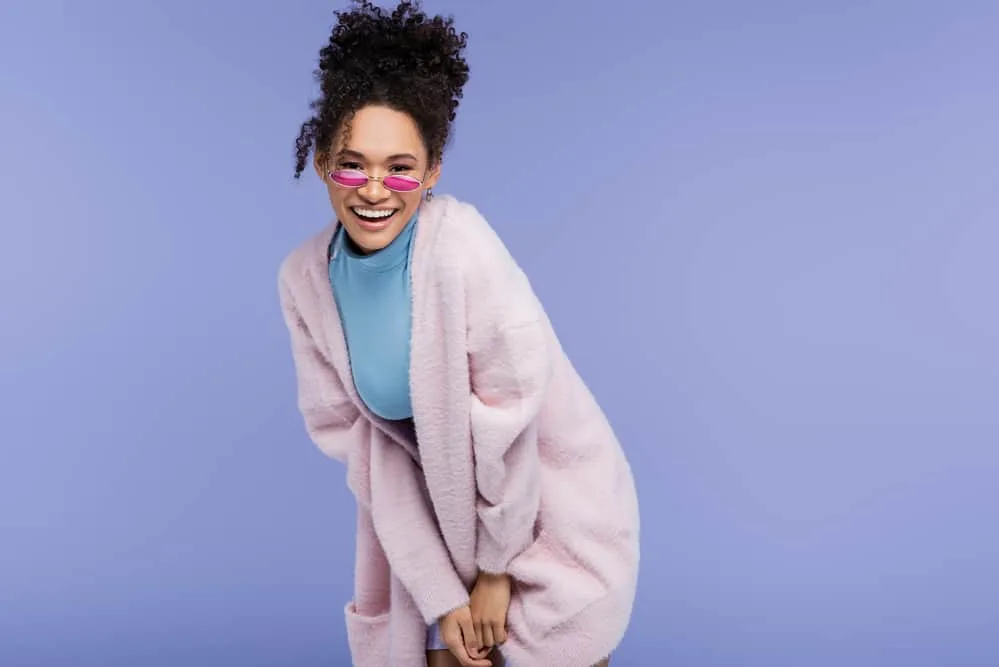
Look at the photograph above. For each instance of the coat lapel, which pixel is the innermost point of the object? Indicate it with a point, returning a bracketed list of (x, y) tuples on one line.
[(333, 340), (440, 387), (439, 380)]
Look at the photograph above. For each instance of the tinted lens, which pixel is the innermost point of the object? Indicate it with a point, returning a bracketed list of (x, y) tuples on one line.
[(349, 178), (400, 183)]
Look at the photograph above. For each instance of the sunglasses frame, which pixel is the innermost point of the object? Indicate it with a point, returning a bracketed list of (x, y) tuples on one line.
[(381, 179)]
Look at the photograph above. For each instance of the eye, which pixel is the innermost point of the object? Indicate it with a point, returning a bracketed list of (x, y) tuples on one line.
[(400, 168), (353, 166)]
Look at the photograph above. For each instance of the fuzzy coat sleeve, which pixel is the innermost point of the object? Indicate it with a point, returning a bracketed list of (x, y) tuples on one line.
[(330, 417), (510, 366), (396, 512)]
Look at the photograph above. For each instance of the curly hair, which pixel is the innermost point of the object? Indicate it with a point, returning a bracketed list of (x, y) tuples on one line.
[(401, 59)]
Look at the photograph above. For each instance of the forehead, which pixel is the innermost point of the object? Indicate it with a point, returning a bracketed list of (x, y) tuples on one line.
[(378, 132)]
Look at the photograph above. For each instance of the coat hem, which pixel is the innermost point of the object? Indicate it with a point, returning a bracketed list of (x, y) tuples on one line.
[(586, 639)]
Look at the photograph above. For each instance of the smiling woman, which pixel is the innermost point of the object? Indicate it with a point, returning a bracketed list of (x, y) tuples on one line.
[(497, 514)]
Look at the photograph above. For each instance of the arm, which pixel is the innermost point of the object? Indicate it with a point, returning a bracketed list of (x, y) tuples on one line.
[(510, 363), (330, 418), (407, 527), (509, 379)]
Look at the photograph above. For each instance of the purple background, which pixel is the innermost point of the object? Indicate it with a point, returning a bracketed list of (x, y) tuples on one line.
[(767, 233)]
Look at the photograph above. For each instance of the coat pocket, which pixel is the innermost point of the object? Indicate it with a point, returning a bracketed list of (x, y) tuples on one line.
[(552, 586), (368, 638)]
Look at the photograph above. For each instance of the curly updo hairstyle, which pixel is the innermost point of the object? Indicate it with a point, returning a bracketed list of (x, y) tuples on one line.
[(401, 59)]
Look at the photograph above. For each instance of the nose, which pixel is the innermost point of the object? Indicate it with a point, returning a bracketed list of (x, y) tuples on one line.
[(373, 191)]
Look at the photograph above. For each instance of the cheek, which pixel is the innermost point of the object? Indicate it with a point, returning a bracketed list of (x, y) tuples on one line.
[(337, 196), (411, 200)]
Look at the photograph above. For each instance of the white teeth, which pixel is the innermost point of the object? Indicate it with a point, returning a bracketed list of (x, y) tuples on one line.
[(371, 213)]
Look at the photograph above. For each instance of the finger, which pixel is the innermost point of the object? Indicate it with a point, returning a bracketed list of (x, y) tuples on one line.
[(488, 639), (477, 662), (472, 644), (464, 659), (452, 639), (499, 633), (456, 646), (470, 647), (480, 629)]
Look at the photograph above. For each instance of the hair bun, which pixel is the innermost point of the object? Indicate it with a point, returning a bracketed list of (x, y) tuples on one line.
[(401, 58)]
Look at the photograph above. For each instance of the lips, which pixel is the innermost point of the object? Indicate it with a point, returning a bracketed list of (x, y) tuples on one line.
[(374, 219)]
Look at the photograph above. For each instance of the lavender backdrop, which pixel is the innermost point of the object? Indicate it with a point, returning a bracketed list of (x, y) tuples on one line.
[(767, 233)]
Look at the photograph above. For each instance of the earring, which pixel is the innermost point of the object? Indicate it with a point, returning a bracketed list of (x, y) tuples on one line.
[(430, 194)]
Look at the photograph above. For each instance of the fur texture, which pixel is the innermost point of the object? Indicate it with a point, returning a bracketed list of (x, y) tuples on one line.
[(517, 471)]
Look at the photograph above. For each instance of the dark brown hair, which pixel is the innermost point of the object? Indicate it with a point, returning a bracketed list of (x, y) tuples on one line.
[(402, 59)]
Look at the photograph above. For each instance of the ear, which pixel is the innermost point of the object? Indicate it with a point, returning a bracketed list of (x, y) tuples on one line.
[(320, 162), (433, 175)]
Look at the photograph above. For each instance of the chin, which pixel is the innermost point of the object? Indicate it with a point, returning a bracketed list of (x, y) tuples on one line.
[(370, 239)]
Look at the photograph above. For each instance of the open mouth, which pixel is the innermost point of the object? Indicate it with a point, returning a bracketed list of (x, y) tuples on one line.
[(376, 217)]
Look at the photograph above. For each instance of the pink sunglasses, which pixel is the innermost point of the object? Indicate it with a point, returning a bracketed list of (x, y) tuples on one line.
[(354, 178)]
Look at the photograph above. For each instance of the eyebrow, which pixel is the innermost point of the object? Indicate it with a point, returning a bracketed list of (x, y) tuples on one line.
[(360, 156)]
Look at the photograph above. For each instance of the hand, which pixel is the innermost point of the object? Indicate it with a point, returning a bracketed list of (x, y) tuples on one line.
[(490, 602), (458, 633)]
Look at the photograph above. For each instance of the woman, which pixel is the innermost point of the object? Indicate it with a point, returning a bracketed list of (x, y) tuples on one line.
[(497, 515)]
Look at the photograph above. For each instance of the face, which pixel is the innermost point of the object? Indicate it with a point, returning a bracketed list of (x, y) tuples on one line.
[(382, 142)]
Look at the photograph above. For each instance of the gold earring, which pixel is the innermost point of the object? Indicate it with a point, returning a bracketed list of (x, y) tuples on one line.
[(430, 194)]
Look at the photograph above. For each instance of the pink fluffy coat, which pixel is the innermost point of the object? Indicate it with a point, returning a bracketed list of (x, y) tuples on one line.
[(517, 468)]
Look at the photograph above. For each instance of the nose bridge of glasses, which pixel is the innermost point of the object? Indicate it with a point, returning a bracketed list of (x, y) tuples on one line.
[(374, 188), (375, 181)]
